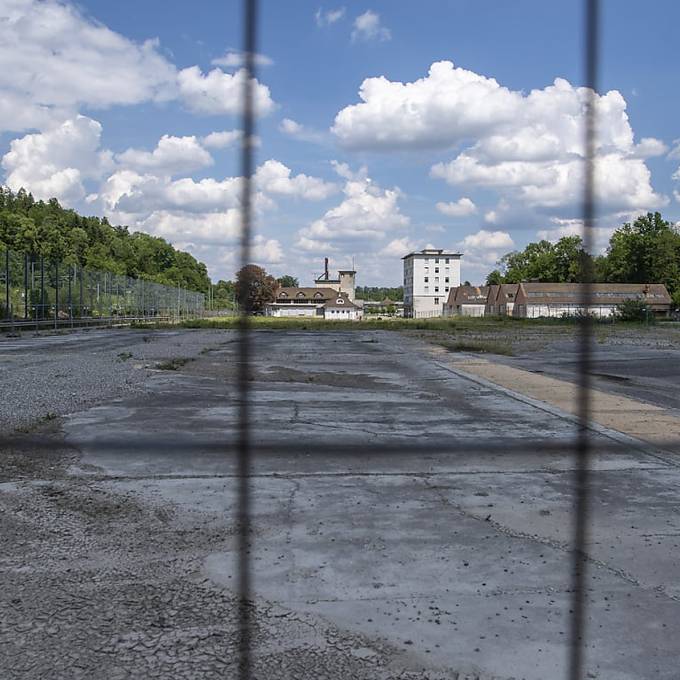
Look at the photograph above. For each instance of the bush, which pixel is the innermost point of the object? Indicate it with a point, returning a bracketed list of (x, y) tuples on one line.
[(635, 310)]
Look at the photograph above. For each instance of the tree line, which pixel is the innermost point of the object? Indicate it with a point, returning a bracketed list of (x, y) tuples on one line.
[(47, 230), (644, 251)]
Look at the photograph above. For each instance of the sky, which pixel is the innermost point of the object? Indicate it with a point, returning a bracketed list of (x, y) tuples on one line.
[(383, 127)]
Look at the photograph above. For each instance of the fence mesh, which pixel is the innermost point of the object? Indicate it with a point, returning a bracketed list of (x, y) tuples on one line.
[(37, 289)]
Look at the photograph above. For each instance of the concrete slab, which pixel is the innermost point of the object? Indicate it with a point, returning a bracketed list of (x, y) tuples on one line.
[(407, 522)]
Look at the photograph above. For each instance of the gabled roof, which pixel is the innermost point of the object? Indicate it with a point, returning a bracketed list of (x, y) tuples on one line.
[(320, 294), (340, 301), (507, 292), (473, 295), (602, 293)]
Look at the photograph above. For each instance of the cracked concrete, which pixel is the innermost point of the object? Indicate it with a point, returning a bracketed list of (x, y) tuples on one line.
[(427, 558)]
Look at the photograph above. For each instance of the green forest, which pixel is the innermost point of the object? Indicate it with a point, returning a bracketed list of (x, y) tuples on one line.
[(46, 229), (378, 293), (644, 251)]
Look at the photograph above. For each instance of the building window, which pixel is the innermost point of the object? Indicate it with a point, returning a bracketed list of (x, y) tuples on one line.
[(340, 301), (436, 279), (446, 289), (436, 270), (436, 301), (447, 260), (436, 289), (426, 289), (446, 280), (426, 279), (300, 295), (436, 260)]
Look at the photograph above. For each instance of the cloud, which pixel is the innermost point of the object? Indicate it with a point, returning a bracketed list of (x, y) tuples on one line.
[(367, 27), (172, 155), (487, 240), (311, 245), (293, 129), (482, 250), (328, 17), (367, 212), (648, 147), (399, 247), (55, 163), (54, 60), (221, 140), (273, 177), (528, 147), (236, 59), (217, 92), (460, 208), (674, 153)]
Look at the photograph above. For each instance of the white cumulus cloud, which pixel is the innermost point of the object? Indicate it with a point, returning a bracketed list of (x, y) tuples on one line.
[(459, 208), (221, 139), (218, 92), (273, 177), (54, 60), (399, 247), (528, 147), (172, 155), (367, 211), (55, 163)]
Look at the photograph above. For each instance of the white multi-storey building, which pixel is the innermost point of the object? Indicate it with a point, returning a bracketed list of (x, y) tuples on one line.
[(428, 277)]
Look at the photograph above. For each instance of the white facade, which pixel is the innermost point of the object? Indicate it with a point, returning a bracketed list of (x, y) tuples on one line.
[(471, 310), (543, 310), (428, 277), (294, 310)]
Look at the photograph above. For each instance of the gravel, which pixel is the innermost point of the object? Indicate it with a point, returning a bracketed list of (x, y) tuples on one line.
[(56, 374)]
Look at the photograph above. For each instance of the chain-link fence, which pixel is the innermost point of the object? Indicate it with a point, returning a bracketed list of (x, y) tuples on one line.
[(37, 289)]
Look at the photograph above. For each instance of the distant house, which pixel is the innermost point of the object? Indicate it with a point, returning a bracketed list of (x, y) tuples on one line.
[(344, 283), (490, 309), (533, 300), (504, 303), (467, 301), (325, 303)]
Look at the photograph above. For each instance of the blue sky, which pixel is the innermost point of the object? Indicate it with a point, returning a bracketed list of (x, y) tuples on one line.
[(463, 138)]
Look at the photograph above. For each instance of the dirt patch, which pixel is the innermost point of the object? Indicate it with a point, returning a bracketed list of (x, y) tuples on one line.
[(325, 378), (38, 452)]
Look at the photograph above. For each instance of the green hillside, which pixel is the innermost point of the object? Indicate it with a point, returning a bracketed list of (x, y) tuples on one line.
[(55, 233)]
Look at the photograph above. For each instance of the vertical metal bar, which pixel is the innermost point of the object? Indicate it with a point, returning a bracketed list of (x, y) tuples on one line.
[(7, 312), (56, 293), (583, 444), (26, 287), (244, 445), (42, 287), (71, 276)]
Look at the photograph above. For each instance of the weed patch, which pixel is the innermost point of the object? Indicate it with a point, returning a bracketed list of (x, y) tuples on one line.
[(173, 364)]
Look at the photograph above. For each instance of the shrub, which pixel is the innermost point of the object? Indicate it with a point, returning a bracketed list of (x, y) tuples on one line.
[(635, 310)]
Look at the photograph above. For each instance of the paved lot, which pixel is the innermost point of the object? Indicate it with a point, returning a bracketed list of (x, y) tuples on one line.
[(387, 542)]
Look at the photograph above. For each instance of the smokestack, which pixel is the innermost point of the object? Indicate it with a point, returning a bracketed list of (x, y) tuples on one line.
[(325, 267)]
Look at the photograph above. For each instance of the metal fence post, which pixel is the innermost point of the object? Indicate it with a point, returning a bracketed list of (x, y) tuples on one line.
[(56, 293), (42, 287), (71, 272), (25, 286), (7, 312)]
